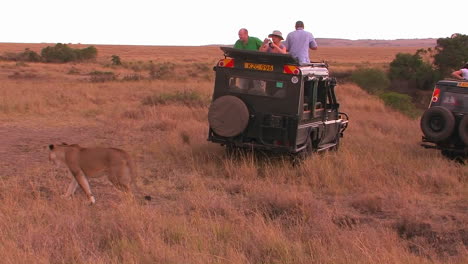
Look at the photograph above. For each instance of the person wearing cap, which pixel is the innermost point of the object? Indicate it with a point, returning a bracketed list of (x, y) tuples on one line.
[(246, 42), (299, 42), (461, 74), (274, 45)]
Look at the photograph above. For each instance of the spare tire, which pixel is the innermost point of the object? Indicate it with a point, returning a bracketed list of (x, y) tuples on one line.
[(228, 116), (437, 123), (463, 129)]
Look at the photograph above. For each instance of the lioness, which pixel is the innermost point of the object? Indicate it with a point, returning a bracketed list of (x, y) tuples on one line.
[(93, 162)]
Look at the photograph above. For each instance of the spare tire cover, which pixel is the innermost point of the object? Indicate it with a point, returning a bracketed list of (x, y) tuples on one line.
[(228, 116), (463, 130), (437, 123)]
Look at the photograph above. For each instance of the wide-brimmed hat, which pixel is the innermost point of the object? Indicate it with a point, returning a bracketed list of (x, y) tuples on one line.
[(276, 33)]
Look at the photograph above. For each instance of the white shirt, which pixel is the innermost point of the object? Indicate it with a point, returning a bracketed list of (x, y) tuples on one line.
[(464, 72)]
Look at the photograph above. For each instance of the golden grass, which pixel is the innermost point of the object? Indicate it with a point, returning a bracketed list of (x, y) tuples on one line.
[(380, 199)]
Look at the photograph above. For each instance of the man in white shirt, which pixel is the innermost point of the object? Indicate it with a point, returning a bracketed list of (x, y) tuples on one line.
[(299, 42), (461, 74)]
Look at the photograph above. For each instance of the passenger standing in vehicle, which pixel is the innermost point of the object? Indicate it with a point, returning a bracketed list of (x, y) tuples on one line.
[(246, 42), (461, 74), (274, 46), (298, 43)]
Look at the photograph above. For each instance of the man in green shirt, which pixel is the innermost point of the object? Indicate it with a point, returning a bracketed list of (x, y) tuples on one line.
[(247, 43)]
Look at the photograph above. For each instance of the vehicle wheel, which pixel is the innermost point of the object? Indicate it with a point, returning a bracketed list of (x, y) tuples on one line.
[(463, 130), (437, 124), (228, 116)]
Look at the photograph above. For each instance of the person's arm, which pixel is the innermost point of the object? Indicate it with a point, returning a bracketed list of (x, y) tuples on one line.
[(312, 43), (279, 49), (283, 49), (457, 74), (264, 46)]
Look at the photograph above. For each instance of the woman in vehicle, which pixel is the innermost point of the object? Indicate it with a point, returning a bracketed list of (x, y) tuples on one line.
[(274, 46)]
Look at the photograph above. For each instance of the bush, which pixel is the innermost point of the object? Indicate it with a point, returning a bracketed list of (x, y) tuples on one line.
[(88, 53), (116, 60), (63, 53), (99, 76), (413, 69), (27, 55), (58, 53), (132, 77), (374, 81), (400, 102), (161, 71), (189, 98)]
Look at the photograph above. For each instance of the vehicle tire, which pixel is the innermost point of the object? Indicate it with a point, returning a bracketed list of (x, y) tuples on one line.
[(463, 130), (437, 123), (228, 116)]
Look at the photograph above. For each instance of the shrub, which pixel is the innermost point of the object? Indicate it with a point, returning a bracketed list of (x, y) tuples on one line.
[(23, 75), (161, 71), (116, 60), (189, 98), (374, 81), (74, 70), (63, 53), (27, 55), (132, 77), (99, 76), (88, 53), (414, 70), (58, 53), (30, 56), (400, 102)]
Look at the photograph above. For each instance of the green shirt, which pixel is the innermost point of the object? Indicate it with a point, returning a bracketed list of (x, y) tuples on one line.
[(252, 44)]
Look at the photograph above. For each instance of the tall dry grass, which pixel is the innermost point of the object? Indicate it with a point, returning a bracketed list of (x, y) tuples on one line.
[(380, 199)]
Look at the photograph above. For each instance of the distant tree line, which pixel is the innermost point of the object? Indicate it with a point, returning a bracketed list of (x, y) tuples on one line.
[(59, 53)]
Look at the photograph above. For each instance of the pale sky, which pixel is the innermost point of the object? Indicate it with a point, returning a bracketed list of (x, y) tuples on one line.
[(205, 22)]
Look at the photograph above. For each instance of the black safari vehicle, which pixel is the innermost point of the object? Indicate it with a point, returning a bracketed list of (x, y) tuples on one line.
[(265, 101), (445, 123)]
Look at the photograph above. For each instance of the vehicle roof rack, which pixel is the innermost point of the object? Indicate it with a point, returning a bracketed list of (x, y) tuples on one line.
[(259, 56)]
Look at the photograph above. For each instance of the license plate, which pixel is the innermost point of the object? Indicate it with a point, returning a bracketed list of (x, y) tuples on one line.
[(258, 67), (462, 84)]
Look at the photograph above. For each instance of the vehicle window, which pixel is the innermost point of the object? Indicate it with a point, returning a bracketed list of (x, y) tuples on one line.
[(454, 101), (270, 88)]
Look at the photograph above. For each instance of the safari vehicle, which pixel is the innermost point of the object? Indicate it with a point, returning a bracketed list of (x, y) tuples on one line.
[(265, 101), (445, 123)]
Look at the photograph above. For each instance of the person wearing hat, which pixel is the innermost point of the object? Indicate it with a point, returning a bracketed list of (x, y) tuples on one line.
[(299, 42), (461, 74), (274, 45)]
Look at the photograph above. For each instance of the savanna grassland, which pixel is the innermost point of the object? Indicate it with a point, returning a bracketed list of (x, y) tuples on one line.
[(380, 199)]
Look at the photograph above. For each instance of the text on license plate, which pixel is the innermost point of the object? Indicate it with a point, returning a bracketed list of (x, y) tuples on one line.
[(259, 67)]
